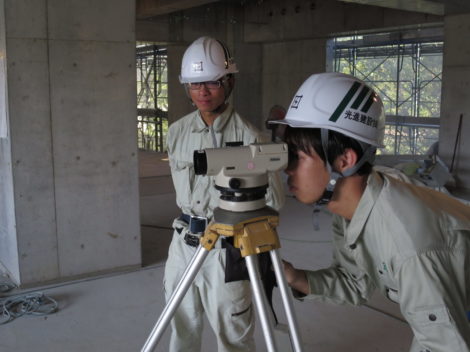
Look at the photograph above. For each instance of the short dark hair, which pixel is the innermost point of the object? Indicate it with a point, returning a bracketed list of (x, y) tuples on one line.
[(308, 139)]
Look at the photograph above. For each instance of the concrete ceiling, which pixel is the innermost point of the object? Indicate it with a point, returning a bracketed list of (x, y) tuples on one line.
[(151, 8), (434, 7)]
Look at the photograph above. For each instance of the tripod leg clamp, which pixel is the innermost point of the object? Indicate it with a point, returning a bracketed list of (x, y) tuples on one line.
[(210, 237), (257, 237)]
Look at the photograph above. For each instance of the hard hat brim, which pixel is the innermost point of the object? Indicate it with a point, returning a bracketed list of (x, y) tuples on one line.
[(204, 78), (302, 124)]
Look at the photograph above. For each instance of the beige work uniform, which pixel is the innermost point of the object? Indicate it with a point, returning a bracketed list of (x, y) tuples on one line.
[(227, 305), (413, 244)]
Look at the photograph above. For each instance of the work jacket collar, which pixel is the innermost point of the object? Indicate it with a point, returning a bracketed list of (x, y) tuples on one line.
[(364, 208), (198, 124)]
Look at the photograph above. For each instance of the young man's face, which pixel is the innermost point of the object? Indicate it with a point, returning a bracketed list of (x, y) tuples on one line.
[(308, 177), (207, 98)]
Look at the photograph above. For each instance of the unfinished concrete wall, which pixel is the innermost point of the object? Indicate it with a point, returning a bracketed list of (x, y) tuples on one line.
[(247, 94), (31, 140), (8, 240), (283, 20), (72, 103), (456, 98), (282, 78)]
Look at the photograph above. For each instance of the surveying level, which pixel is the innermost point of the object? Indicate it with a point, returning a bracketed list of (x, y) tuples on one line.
[(243, 215)]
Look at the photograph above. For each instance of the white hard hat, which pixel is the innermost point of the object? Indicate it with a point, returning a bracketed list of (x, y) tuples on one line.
[(338, 102), (206, 59)]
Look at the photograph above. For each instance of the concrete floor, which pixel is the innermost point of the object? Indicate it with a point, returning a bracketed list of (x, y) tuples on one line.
[(116, 312)]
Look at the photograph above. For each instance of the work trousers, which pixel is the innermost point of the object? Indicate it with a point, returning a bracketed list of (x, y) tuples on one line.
[(227, 306)]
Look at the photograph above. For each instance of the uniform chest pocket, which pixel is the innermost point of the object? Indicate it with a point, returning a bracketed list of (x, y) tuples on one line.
[(183, 178)]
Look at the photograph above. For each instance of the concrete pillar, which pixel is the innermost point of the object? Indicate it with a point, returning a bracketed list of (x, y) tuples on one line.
[(8, 240), (456, 98), (72, 130)]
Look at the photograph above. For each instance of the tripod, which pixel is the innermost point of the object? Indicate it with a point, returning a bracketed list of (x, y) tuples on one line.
[(254, 233)]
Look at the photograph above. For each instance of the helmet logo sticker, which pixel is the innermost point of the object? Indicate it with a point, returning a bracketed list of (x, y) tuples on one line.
[(362, 118), (358, 115), (197, 66), (296, 101)]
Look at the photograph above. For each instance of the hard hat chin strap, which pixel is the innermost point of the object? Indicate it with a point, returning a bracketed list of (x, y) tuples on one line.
[(220, 109), (227, 91), (334, 176), (228, 86), (368, 155)]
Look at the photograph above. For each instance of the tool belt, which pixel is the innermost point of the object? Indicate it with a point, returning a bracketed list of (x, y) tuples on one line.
[(196, 225)]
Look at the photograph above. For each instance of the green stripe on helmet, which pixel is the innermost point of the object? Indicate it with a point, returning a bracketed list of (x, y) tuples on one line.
[(347, 98), (360, 97), (368, 103)]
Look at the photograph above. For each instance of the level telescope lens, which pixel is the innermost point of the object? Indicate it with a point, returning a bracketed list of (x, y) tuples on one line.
[(200, 162)]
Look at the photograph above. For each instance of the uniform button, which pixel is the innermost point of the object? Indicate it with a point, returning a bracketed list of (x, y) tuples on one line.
[(432, 317), (353, 246)]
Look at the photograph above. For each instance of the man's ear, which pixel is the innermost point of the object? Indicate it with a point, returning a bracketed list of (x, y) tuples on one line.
[(346, 160)]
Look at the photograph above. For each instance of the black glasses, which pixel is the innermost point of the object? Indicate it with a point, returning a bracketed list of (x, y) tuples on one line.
[(209, 85)]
